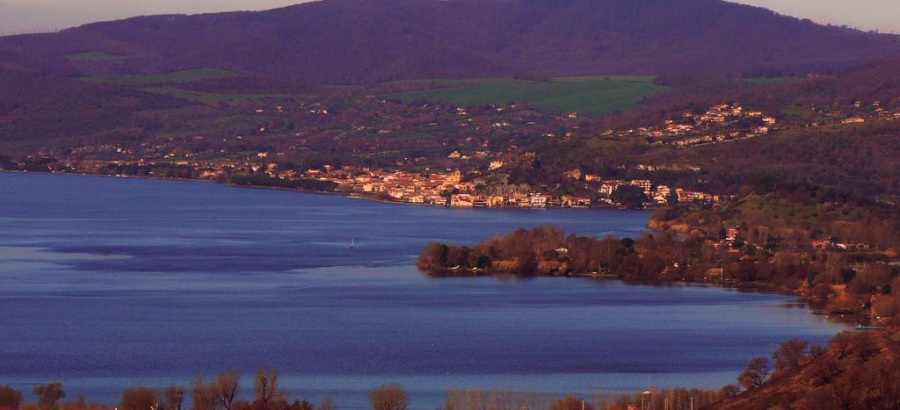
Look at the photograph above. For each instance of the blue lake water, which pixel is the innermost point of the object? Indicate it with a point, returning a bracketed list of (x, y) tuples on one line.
[(107, 283)]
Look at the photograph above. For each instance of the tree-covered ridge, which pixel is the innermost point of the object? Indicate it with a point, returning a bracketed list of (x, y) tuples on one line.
[(342, 42), (836, 250), (857, 370), (782, 215)]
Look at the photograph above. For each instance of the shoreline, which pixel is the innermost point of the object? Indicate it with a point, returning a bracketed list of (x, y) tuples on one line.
[(352, 195)]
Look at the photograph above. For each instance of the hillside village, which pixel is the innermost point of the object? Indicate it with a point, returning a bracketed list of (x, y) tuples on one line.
[(471, 175)]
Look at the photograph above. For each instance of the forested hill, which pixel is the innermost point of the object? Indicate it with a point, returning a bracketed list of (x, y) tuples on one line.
[(358, 41)]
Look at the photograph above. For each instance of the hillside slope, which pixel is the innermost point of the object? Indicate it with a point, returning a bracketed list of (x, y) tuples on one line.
[(354, 41), (856, 371)]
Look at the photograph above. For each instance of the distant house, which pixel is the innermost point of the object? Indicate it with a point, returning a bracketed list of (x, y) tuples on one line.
[(538, 201), (644, 184), (732, 234), (462, 200), (714, 273)]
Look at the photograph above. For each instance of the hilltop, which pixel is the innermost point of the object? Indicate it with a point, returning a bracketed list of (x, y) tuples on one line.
[(352, 41)]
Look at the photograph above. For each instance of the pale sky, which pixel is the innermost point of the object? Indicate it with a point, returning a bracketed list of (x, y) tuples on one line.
[(25, 16)]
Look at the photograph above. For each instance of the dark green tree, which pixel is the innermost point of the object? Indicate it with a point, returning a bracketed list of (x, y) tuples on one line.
[(630, 196)]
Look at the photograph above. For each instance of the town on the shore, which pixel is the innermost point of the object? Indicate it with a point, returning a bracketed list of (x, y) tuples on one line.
[(467, 177)]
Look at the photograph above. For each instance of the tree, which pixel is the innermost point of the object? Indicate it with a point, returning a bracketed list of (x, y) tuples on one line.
[(327, 403), (139, 398), (755, 374), (630, 196), (226, 387), (266, 385), (729, 391), (174, 397), (790, 355), (672, 199), (77, 404), (433, 257), (302, 404), (10, 398), (241, 404), (203, 395), (763, 183), (49, 395), (389, 397), (571, 403)]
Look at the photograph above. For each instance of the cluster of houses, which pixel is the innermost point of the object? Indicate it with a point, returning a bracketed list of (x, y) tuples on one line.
[(658, 194), (720, 122), (519, 200), (450, 189), (858, 113), (437, 188)]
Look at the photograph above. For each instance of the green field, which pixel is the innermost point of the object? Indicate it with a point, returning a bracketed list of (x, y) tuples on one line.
[(773, 80), (211, 98), (94, 56), (589, 95), (186, 76)]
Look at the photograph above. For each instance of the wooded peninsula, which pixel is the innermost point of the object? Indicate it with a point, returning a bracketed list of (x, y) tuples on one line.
[(842, 260)]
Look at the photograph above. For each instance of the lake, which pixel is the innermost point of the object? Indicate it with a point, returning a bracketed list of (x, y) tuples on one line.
[(107, 283)]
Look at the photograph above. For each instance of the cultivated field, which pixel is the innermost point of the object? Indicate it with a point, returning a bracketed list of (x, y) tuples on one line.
[(588, 95)]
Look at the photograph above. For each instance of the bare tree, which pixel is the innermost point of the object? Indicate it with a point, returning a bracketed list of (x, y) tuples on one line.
[(49, 395), (226, 387), (302, 404), (389, 397), (174, 398), (77, 404), (241, 404), (327, 403), (790, 355), (139, 398), (266, 386), (10, 398), (571, 403), (755, 374), (203, 395)]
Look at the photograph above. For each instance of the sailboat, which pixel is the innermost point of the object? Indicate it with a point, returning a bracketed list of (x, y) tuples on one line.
[(352, 243)]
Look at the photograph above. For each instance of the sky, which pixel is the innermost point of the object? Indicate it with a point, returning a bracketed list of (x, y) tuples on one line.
[(27, 16)]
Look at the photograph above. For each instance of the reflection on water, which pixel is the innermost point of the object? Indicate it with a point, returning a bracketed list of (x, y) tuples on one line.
[(149, 282)]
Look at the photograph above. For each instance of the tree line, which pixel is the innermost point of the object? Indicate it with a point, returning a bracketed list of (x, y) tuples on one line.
[(539, 251), (220, 393), (856, 370), (264, 180)]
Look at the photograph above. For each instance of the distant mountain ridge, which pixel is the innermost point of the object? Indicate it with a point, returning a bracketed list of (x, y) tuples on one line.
[(366, 41)]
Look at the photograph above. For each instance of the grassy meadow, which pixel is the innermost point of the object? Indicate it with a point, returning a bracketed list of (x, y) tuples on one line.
[(185, 76), (588, 95), (95, 56), (214, 98)]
